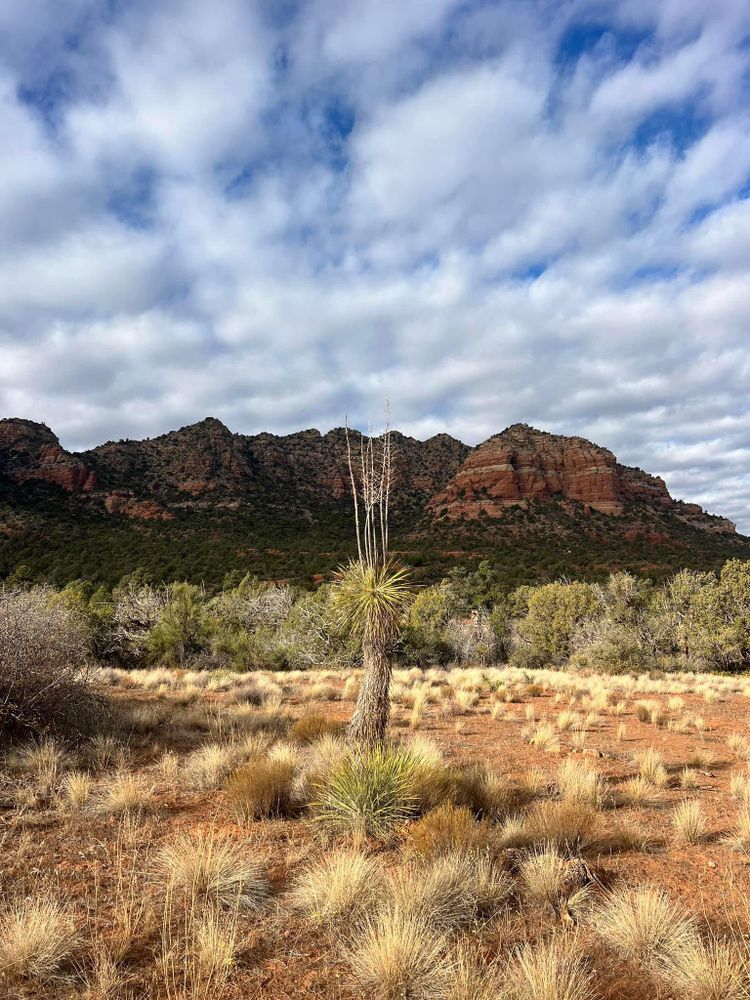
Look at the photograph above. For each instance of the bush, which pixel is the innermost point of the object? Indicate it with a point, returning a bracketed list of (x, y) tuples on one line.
[(312, 725), (368, 792), (611, 648), (555, 610), (448, 829), (261, 788), (43, 659)]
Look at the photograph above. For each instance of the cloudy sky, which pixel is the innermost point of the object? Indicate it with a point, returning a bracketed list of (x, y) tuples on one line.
[(280, 212)]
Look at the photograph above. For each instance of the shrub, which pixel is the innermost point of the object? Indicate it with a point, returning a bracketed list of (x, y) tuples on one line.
[(202, 866), (36, 936), (569, 826), (643, 923), (554, 611), (312, 725), (261, 788), (448, 829), (342, 885), (43, 682), (368, 792)]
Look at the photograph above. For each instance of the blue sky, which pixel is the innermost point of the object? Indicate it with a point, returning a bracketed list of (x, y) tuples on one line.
[(278, 213)]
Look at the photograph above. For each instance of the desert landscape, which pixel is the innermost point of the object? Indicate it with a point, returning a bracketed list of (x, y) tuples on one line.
[(530, 834), (375, 500)]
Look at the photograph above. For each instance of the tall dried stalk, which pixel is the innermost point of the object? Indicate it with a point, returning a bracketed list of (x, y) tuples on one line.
[(373, 491)]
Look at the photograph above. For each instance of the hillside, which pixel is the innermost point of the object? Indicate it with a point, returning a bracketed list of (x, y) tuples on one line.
[(201, 502)]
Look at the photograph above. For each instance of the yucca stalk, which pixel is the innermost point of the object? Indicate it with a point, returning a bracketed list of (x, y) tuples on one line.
[(373, 591)]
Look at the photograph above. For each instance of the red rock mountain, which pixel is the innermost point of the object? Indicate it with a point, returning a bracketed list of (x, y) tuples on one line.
[(201, 502), (205, 465)]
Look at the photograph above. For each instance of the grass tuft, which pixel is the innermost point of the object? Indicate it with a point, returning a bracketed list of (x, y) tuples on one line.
[(261, 788), (643, 923), (342, 885), (36, 937), (201, 865)]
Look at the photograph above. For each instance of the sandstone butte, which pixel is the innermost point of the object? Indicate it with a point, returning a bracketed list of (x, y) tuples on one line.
[(205, 464)]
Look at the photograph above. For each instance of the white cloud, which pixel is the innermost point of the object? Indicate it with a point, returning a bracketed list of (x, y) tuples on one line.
[(278, 216)]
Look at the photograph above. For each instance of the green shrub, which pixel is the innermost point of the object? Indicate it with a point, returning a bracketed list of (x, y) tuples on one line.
[(554, 612)]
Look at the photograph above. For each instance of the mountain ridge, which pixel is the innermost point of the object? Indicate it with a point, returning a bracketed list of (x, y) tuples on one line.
[(550, 501)]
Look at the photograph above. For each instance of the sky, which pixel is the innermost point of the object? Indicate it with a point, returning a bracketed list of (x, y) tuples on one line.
[(278, 213)]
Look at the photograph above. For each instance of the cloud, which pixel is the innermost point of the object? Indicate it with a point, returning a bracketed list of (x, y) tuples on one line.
[(281, 214)]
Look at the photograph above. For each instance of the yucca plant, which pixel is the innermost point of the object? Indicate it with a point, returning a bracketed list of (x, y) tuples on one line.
[(368, 792), (373, 590)]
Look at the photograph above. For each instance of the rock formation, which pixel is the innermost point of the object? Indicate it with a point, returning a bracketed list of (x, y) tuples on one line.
[(206, 466)]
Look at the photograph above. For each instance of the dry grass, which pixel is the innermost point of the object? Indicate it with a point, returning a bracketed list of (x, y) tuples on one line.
[(549, 970), (543, 875), (688, 778), (688, 822), (569, 826), (261, 788), (580, 784), (639, 792), (643, 923), (75, 790), (208, 767), (199, 946), (470, 976), (311, 726), (451, 891), (448, 829), (122, 794), (343, 885), (706, 971), (200, 865), (567, 720), (36, 937), (651, 768), (397, 956), (544, 738), (739, 836)]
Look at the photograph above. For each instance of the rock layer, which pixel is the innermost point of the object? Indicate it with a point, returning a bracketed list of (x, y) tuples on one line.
[(522, 464)]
